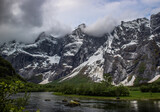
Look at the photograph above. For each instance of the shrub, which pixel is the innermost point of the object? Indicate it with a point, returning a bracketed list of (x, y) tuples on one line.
[(13, 105), (144, 89), (96, 89), (150, 88), (142, 68)]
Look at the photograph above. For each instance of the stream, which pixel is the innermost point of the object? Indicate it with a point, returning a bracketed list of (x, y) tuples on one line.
[(38, 101)]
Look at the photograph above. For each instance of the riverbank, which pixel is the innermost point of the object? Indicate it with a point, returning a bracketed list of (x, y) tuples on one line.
[(134, 95)]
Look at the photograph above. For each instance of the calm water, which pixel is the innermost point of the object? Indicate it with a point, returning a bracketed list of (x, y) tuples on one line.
[(37, 101)]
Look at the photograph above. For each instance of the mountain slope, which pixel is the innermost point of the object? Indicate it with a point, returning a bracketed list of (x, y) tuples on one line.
[(7, 72), (130, 54)]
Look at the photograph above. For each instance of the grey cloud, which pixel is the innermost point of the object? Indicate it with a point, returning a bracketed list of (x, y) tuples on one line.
[(32, 12), (23, 20), (9, 32), (5, 11), (21, 26)]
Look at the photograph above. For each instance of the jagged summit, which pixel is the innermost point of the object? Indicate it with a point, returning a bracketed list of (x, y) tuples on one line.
[(155, 23), (41, 36), (81, 26), (130, 54)]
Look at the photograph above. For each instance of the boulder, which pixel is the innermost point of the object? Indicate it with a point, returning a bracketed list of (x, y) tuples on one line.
[(73, 103)]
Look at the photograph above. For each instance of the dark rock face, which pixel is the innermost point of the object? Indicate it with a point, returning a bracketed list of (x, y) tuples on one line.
[(130, 52), (137, 53), (155, 22)]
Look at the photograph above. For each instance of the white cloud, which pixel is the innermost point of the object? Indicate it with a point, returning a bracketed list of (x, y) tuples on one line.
[(101, 26)]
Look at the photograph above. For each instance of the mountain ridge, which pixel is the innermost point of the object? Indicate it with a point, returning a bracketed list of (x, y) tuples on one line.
[(130, 54)]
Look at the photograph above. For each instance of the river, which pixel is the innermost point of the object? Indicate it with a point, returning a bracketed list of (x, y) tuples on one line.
[(55, 104)]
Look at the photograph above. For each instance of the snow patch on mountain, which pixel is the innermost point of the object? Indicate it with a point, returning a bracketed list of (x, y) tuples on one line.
[(93, 67), (54, 59), (119, 53), (73, 48), (44, 81), (133, 42), (31, 45), (154, 79), (128, 83), (151, 37), (46, 77)]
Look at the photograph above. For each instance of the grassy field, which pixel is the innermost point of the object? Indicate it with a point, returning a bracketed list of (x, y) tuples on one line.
[(78, 79), (134, 95)]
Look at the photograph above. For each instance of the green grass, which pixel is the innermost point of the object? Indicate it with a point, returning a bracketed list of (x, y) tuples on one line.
[(36, 79), (78, 79), (134, 95), (157, 81), (55, 82)]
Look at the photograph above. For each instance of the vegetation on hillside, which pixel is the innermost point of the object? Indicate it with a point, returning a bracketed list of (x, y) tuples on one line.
[(94, 89), (153, 87), (10, 84), (82, 85), (7, 72), (8, 104), (134, 95), (150, 88), (78, 85)]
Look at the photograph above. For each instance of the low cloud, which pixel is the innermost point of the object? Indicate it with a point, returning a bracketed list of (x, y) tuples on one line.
[(9, 32), (101, 27), (57, 29)]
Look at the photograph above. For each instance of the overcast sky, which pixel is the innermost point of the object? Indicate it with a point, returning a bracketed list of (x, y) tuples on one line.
[(25, 19)]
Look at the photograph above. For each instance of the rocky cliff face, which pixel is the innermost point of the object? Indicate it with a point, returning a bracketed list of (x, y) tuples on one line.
[(130, 54)]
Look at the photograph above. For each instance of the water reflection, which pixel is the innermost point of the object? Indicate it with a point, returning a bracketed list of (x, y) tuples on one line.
[(157, 103), (134, 105), (55, 104)]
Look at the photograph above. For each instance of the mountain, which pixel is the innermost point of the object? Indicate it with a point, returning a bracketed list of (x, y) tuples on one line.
[(7, 72), (130, 54)]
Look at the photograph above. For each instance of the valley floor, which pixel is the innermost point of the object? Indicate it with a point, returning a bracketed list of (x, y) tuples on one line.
[(134, 95)]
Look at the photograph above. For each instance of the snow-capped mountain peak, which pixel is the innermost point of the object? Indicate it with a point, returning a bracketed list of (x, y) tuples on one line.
[(130, 53)]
